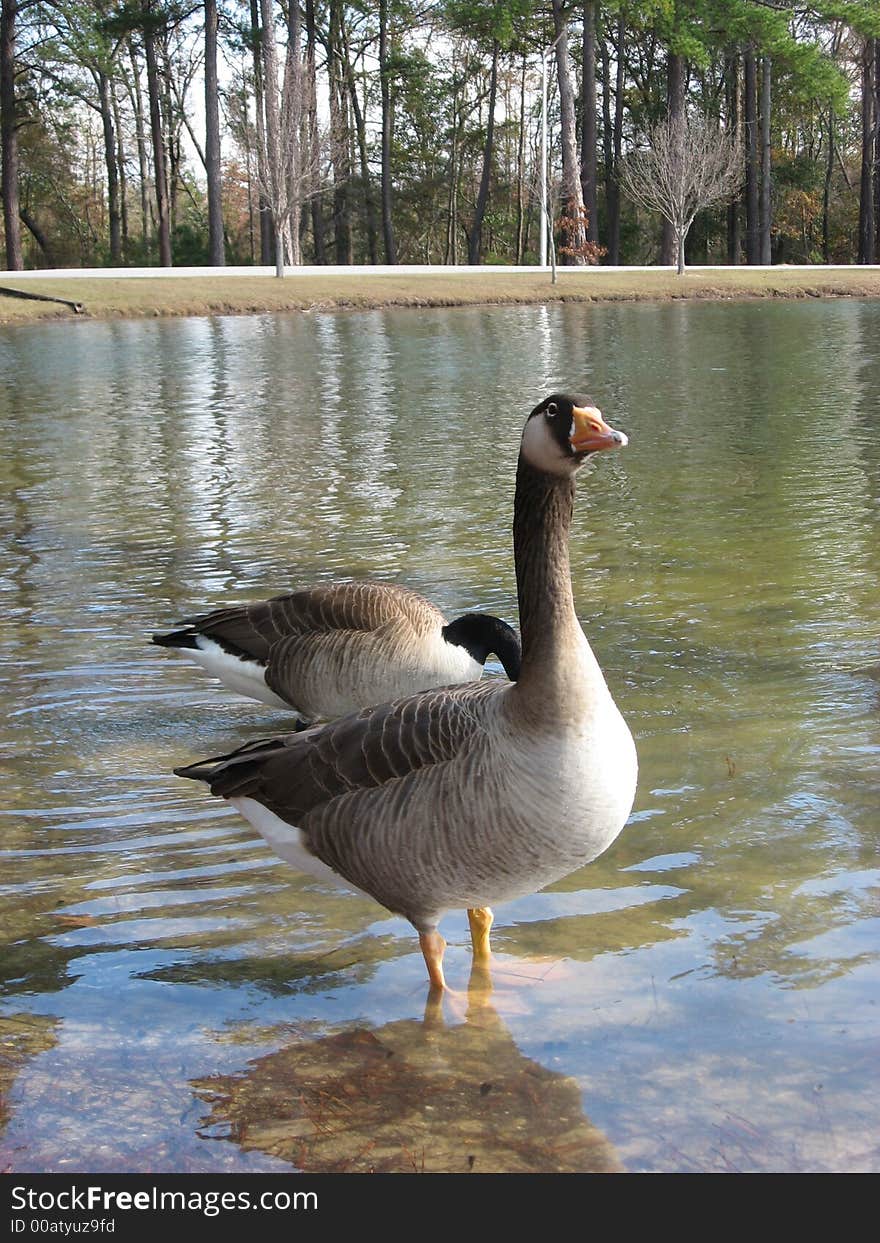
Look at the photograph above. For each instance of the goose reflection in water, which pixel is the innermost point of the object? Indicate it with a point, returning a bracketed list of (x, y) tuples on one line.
[(410, 1097)]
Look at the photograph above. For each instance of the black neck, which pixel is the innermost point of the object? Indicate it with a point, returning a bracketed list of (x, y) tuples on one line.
[(542, 520), (479, 634)]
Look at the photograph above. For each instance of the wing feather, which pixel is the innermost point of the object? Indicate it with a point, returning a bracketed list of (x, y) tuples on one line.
[(296, 774), (307, 615), (358, 605), (376, 795)]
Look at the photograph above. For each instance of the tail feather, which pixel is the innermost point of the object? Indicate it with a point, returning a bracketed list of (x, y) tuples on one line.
[(176, 638), (238, 772), (244, 644), (201, 770)]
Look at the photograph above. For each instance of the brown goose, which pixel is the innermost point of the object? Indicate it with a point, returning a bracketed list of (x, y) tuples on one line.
[(329, 650), (469, 795)]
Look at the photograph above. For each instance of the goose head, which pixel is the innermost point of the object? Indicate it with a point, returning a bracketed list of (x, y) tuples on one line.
[(481, 634), (563, 432)]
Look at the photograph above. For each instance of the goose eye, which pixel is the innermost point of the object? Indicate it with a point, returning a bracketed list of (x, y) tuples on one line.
[(551, 410)]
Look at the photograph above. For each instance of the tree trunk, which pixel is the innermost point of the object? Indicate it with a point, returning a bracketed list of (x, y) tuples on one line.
[(363, 156), (339, 137), (274, 172), (676, 79), (123, 180), (39, 237), (612, 139), (248, 160), (279, 250), (765, 250), (450, 254), (476, 230), (750, 116), (866, 185), (679, 253), (317, 213), (216, 253), (173, 156), (619, 89), (158, 137), (293, 87), (267, 233), (876, 149), (385, 91), (826, 191), (731, 88), (141, 139), (114, 216), (589, 138), (9, 137), (572, 198), (520, 164)]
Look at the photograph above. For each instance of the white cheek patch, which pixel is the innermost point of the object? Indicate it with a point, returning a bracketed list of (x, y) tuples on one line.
[(541, 450)]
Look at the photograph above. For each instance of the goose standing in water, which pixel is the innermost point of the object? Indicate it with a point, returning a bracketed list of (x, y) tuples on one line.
[(469, 795), (329, 650)]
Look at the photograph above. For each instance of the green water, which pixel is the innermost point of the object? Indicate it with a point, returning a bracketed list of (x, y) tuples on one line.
[(703, 997)]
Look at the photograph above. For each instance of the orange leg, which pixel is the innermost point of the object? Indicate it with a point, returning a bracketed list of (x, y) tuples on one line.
[(480, 919), (433, 946)]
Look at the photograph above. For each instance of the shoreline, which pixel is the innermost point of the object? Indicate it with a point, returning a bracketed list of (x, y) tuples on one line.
[(151, 293)]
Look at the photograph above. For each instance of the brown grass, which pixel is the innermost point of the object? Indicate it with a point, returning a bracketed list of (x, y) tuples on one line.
[(111, 297)]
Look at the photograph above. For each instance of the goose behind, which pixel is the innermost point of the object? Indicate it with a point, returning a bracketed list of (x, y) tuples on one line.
[(468, 795), (331, 649)]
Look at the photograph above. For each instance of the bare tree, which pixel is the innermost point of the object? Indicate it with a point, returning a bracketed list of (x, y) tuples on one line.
[(284, 170), (688, 164), (572, 194)]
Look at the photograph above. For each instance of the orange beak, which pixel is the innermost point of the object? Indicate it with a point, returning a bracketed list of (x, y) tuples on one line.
[(590, 433)]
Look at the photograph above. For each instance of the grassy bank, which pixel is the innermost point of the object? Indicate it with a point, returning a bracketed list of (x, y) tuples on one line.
[(104, 297)]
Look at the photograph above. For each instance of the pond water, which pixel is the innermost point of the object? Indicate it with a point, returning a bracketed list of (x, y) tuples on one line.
[(703, 997)]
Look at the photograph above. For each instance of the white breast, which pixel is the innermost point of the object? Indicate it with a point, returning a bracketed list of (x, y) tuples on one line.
[(449, 662), (568, 793)]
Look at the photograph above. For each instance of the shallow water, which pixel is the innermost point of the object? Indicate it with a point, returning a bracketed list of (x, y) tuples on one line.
[(702, 997)]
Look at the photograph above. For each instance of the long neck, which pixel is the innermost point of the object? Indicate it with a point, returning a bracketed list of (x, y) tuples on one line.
[(559, 672)]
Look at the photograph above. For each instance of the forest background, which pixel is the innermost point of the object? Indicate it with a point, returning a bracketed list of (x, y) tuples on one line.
[(160, 132)]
